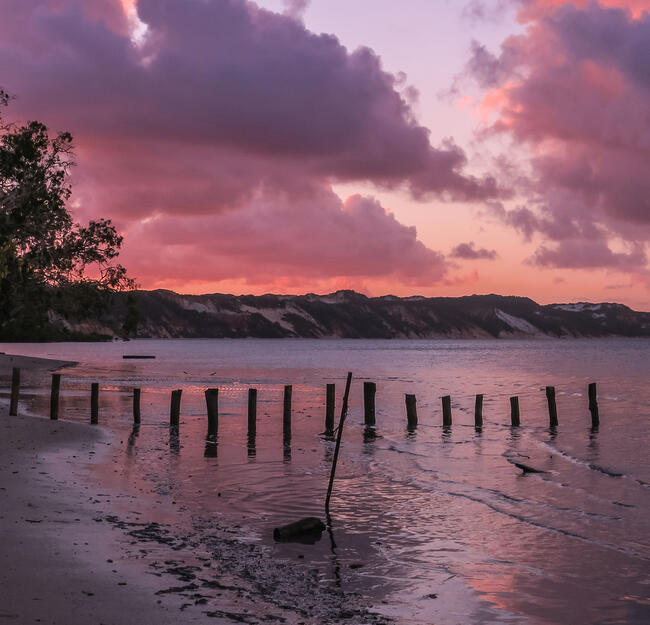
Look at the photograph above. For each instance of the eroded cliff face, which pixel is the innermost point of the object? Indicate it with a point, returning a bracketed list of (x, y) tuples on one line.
[(346, 314)]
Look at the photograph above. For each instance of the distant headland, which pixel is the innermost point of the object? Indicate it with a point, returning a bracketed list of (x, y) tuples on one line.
[(347, 314)]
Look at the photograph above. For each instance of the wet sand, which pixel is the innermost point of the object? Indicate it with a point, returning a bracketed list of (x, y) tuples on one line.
[(60, 563), (435, 526), (76, 548)]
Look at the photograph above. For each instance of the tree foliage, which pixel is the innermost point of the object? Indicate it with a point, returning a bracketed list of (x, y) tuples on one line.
[(48, 263)]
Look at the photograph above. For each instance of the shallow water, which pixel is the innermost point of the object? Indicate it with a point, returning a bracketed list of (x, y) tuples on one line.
[(438, 525)]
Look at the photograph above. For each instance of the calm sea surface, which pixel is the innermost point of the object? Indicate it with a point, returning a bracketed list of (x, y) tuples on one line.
[(446, 529)]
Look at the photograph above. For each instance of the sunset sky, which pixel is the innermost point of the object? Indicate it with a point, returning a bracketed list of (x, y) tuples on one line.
[(433, 147)]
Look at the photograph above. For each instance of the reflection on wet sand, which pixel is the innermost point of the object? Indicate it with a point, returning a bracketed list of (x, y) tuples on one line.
[(437, 523)]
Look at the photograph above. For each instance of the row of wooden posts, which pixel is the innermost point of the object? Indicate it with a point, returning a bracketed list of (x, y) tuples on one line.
[(369, 391)]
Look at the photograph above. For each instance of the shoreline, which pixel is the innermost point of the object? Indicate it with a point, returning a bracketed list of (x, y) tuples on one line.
[(79, 547), (31, 363), (192, 530), (61, 564)]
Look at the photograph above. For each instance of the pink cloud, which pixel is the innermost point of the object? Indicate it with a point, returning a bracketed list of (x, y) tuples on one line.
[(222, 115), (228, 75), (575, 89), (306, 241), (468, 251), (582, 254), (636, 7)]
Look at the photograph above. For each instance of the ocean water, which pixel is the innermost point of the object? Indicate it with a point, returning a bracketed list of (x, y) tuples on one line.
[(431, 526)]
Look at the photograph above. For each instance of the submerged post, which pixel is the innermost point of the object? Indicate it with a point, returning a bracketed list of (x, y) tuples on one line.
[(212, 403), (478, 412), (411, 412), (286, 414), (330, 399), (15, 390), (94, 403), (369, 391), (136, 406), (446, 410), (54, 396), (344, 412), (593, 405), (175, 409), (552, 408), (514, 412), (252, 413)]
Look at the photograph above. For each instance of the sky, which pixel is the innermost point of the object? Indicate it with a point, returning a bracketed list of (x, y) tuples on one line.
[(430, 147)]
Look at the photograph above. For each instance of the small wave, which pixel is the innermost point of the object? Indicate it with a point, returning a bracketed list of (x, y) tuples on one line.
[(605, 470), (583, 463), (534, 523)]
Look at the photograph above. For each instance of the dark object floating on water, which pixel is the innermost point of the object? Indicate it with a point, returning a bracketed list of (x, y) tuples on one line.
[(132, 356), (306, 531), (526, 468)]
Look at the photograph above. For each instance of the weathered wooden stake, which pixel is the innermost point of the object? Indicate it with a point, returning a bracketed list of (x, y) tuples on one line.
[(252, 413), (478, 411), (339, 434), (15, 390), (286, 414), (514, 412), (136, 406), (54, 396), (94, 403), (593, 405), (212, 403), (446, 410), (411, 412), (552, 408), (175, 409), (369, 391), (330, 400)]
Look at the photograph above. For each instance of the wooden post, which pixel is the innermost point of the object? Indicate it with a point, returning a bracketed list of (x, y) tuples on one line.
[(175, 409), (593, 405), (286, 414), (212, 403), (15, 390), (136, 406), (330, 400), (94, 403), (552, 408), (369, 390), (54, 396), (478, 412), (252, 413), (446, 410), (344, 412), (514, 412), (211, 449), (411, 412)]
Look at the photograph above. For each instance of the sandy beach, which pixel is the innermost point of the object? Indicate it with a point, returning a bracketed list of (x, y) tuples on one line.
[(61, 562), (79, 549), (113, 523)]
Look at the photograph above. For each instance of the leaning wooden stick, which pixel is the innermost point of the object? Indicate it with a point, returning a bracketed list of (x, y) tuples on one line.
[(344, 411)]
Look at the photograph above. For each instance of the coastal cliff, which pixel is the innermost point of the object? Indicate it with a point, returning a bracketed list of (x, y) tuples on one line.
[(347, 314)]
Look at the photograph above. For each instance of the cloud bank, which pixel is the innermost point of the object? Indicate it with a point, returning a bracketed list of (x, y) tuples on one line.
[(575, 89), (201, 117)]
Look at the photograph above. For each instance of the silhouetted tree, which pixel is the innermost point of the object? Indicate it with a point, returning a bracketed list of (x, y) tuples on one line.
[(45, 257)]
